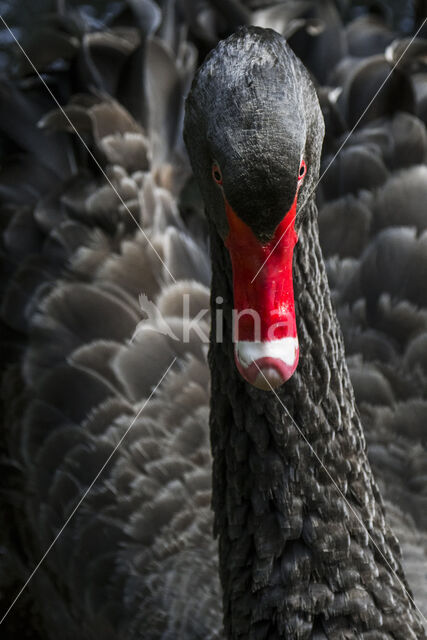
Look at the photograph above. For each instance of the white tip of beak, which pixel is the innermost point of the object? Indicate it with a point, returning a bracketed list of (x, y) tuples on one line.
[(267, 365)]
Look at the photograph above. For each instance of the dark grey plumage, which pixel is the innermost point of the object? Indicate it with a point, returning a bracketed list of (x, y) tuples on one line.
[(139, 557)]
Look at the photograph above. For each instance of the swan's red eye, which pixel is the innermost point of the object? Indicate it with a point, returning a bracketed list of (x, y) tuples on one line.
[(216, 174), (302, 170)]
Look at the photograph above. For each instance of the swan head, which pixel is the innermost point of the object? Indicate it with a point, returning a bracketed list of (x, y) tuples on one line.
[(254, 130)]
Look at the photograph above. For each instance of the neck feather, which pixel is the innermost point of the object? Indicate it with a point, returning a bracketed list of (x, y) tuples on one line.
[(295, 558)]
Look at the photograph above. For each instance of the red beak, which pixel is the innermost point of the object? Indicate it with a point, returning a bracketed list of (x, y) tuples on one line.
[(264, 326)]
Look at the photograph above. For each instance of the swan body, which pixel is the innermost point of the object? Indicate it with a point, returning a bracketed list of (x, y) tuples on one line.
[(84, 354)]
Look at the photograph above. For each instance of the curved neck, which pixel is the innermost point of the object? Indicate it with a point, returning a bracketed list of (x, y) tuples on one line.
[(295, 559)]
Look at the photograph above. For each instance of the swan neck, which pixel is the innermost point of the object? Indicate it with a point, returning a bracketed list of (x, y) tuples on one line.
[(292, 486)]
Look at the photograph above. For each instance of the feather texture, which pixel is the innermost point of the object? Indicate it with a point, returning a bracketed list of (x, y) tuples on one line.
[(85, 353)]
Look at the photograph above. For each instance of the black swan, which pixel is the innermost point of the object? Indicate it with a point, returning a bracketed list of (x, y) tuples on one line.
[(138, 558), (291, 564)]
